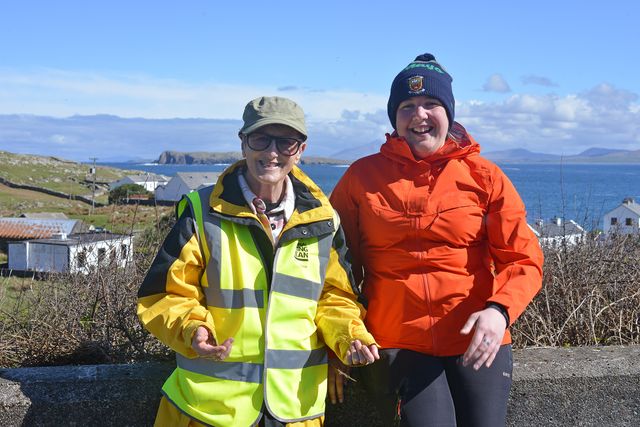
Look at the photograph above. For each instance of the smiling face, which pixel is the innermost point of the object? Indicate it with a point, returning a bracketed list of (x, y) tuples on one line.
[(267, 169), (422, 121)]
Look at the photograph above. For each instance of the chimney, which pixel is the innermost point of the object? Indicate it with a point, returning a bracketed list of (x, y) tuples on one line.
[(628, 201), (557, 221)]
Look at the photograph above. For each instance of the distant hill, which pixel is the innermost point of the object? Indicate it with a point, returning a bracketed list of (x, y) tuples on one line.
[(596, 151), (613, 156), (205, 157), (591, 155), (197, 158)]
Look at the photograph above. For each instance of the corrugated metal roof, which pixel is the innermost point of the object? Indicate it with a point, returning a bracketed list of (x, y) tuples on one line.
[(30, 228)]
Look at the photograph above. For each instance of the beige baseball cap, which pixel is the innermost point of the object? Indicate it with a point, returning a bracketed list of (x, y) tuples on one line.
[(273, 110)]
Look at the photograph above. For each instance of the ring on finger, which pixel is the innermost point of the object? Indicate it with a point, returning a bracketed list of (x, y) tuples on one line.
[(486, 341)]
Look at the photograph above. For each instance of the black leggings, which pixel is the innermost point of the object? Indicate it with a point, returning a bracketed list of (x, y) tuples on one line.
[(413, 389)]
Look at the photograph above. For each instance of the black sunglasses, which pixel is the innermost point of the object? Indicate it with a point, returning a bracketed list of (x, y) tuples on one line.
[(260, 142)]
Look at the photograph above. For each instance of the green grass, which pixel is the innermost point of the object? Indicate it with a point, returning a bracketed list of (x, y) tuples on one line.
[(11, 289), (15, 201), (56, 174)]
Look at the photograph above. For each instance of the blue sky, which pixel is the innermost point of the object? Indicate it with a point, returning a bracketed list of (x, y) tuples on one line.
[(549, 76)]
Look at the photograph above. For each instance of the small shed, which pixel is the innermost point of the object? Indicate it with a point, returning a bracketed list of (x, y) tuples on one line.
[(74, 253)]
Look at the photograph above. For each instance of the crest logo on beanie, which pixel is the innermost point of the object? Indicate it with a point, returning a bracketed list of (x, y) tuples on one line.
[(416, 84)]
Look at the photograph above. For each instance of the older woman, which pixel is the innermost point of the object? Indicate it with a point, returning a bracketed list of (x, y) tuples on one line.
[(250, 284), (447, 262)]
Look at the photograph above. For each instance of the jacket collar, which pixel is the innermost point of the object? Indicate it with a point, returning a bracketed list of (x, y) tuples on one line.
[(310, 202)]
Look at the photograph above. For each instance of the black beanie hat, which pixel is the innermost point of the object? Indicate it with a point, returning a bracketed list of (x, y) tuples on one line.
[(424, 76)]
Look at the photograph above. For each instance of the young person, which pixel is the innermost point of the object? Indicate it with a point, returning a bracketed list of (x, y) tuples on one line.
[(447, 262)]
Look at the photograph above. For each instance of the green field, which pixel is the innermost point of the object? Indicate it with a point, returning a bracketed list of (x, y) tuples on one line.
[(71, 178), (56, 174)]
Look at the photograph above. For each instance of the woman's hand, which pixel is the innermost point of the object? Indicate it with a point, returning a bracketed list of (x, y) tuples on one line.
[(335, 380), (205, 346), (359, 354), (490, 326)]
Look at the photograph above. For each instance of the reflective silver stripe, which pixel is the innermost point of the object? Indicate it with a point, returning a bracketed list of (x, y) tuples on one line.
[(235, 371), (234, 298), (324, 248), (213, 235), (297, 287), (296, 359)]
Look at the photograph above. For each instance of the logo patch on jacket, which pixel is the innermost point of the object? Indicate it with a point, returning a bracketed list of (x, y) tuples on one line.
[(302, 252), (416, 84)]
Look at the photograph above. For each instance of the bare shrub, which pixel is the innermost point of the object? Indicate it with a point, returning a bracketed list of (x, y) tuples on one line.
[(82, 318), (590, 296)]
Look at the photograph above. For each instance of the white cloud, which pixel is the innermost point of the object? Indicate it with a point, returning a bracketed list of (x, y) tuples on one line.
[(61, 93), (604, 116), (496, 83)]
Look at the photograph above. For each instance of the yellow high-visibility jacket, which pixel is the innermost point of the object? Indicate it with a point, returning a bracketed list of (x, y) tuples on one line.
[(218, 268)]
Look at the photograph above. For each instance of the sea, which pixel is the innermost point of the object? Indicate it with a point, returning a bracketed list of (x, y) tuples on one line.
[(579, 192)]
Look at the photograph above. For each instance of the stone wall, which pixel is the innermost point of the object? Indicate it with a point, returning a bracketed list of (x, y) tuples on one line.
[(588, 386)]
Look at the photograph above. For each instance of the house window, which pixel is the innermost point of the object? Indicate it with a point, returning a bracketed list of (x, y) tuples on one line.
[(614, 220), (628, 221), (123, 252), (81, 258), (101, 255)]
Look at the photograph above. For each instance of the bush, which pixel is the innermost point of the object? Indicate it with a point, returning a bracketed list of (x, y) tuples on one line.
[(81, 319), (590, 296), (127, 190)]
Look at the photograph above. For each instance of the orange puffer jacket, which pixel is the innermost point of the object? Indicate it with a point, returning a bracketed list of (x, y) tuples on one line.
[(434, 241)]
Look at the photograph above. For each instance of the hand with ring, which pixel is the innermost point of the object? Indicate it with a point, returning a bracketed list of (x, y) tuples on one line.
[(360, 354), (489, 326)]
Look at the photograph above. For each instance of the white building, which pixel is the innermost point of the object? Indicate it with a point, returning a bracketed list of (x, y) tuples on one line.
[(625, 219), (149, 181), (556, 231), (185, 182), (75, 253)]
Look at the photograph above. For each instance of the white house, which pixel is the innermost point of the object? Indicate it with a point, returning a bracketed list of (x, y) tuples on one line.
[(149, 181), (74, 253), (555, 232), (185, 182), (625, 219)]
